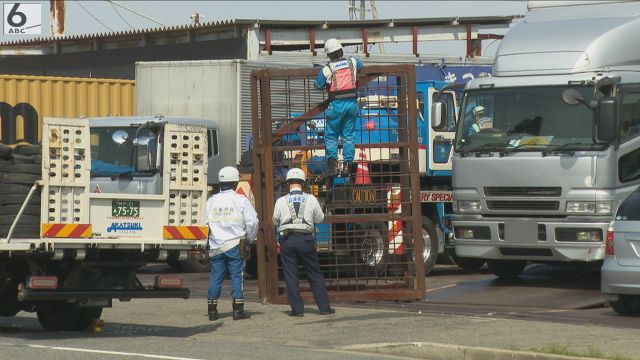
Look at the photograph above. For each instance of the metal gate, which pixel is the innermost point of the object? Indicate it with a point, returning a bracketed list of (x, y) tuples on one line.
[(370, 244)]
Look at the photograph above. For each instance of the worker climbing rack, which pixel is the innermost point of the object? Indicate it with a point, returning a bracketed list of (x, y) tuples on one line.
[(370, 244)]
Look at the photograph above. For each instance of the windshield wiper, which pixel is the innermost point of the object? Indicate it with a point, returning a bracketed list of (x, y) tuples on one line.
[(568, 148), (487, 148), (130, 174)]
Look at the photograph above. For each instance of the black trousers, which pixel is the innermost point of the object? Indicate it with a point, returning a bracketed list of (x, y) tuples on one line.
[(301, 247)]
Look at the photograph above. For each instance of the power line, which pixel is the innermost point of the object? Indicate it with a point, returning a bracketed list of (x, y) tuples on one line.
[(118, 12), (93, 16), (138, 13)]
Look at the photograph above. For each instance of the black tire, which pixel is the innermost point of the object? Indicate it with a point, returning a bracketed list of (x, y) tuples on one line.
[(24, 179), (430, 242), (626, 305), (28, 150), (21, 231), (66, 317), (5, 151), (9, 304), (175, 265), (22, 159), (468, 263), (507, 269), (13, 210), (18, 199), (197, 262), (371, 248), (25, 168), (24, 220), (14, 189)]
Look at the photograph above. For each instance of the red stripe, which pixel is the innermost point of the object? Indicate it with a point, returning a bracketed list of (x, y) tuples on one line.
[(196, 232), (54, 230), (80, 228), (175, 234)]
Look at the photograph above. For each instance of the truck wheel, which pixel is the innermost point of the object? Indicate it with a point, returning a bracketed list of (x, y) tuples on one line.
[(507, 269), (430, 245), (626, 305), (9, 305), (468, 263), (197, 262), (371, 247), (66, 317)]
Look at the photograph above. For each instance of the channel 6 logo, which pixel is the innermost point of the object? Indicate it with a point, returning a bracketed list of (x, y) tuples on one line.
[(22, 18)]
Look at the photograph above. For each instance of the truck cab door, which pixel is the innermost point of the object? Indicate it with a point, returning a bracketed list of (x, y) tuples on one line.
[(441, 138)]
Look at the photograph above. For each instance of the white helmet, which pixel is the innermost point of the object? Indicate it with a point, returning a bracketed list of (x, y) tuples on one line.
[(228, 174), (478, 110), (332, 45), (296, 174)]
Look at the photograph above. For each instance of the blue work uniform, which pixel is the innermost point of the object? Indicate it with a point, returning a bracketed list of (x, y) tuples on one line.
[(341, 113)]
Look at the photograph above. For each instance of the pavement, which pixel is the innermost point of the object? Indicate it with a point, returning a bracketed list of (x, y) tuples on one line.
[(364, 333)]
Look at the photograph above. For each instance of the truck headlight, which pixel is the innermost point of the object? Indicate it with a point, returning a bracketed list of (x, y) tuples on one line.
[(590, 207), (468, 206)]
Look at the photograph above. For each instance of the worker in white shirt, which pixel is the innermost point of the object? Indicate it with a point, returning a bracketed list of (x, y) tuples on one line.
[(295, 216), (232, 221)]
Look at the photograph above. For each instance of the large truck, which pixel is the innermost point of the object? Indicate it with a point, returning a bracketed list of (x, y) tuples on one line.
[(97, 200), (540, 170)]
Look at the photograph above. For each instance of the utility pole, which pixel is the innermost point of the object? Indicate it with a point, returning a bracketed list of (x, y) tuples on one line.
[(374, 13), (56, 15)]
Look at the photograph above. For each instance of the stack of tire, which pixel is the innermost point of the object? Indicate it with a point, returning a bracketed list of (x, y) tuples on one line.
[(20, 167)]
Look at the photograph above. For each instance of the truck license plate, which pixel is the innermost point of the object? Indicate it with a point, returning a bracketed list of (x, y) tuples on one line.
[(125, 208)]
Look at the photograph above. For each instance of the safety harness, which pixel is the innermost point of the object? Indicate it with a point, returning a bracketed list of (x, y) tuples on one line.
[(343, 79), (297, 223)]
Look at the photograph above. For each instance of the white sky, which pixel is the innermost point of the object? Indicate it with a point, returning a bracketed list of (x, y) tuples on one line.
[(103, 17)]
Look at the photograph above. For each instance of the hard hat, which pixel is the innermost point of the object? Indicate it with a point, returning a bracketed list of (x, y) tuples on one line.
[(296, 174), (332, 45), (478, 110), (229, 174)]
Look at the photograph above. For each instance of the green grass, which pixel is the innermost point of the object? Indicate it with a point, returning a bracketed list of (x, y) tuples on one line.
[(560, 349)]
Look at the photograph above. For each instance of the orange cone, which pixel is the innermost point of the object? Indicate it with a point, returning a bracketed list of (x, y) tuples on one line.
[(362, 173)]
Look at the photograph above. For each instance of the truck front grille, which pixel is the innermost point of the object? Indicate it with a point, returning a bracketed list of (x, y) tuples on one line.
[(523, 191), (522, 205)]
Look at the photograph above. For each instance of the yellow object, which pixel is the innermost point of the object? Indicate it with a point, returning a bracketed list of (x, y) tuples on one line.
[(31, 98)]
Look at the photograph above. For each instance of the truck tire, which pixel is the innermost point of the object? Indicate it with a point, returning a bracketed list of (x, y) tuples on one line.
[(24, 220), (25, 168), (18, 199), (14, 189), (66, 317), (13, 210), (507, 269), (5, 151), (28, 150), (26, 179), (371, 248), (9, 305), (468, 263), (430, 245), (197, 262)]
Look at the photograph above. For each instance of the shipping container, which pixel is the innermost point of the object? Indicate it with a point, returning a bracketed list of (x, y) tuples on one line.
[(26, 100), (211, 89)]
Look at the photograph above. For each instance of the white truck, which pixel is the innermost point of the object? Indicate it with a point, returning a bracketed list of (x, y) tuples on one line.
[(555, 146), (104, 197)]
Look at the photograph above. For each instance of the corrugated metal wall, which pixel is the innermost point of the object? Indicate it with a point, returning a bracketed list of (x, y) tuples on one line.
[(26, 100)]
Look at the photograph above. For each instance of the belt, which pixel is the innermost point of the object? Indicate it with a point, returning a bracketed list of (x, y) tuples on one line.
[(284, 233)]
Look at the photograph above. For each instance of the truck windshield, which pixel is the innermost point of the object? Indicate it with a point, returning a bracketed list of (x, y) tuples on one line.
[(116, 151), (524, 119)]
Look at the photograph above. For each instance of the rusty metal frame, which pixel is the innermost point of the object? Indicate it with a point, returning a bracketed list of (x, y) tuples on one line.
[(265, 139)]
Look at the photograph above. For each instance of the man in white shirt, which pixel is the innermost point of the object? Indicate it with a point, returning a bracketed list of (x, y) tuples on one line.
[(231, 218), (295, 216)]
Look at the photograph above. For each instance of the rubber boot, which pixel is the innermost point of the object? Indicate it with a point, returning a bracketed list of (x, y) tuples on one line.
[(332, 169), (346, 169), (238, 310), (213, 310)]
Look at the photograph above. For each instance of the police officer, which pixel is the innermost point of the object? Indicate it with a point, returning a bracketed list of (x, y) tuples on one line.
[(232, 221), (295, 216), (339, 77)]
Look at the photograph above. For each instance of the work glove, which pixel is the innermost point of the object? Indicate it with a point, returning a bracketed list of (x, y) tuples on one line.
[(245, 249)]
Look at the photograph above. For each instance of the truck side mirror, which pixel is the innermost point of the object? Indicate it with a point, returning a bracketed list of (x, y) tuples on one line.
[(606, 114), (438, 114)]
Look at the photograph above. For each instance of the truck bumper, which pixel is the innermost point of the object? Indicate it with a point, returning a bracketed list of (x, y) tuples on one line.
[(25, 294), (528, 239)]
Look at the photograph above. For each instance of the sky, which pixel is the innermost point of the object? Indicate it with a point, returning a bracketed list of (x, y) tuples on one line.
[(103, 16)]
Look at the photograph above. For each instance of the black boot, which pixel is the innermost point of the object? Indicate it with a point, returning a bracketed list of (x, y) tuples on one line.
[(213, 310), (346, 169), (332, 169), (238, 310)]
